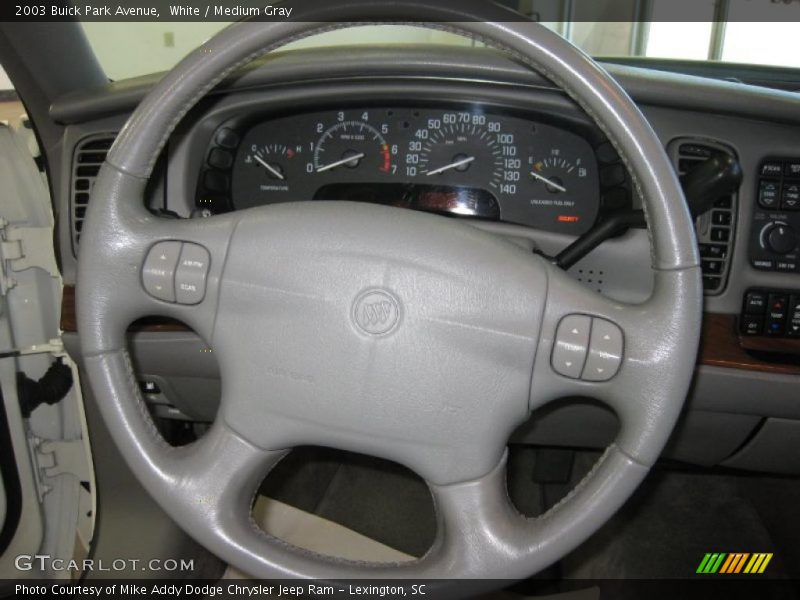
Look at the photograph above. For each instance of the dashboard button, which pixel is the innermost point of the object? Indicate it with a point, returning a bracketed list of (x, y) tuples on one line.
[(752, 325), (768, 192), (227, 138), (792, 169), (777, 306), (721, 217), (755, 303), (158, 273), (219, 158), (711, 284), (612, 176), (190, 276), (793, 324), (724, 202), (605, 351), (790, 199), (781, 239), (572, 345), (719, 234), (772, 169), (215, 181), (786, 266), (763, 264), (712, 267), (713, 250)]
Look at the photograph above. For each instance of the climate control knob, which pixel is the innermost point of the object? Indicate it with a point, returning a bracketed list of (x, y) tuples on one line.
[(780, 238)]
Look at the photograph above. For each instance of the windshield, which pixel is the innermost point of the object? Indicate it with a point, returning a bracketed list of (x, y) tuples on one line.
[(709, 30)]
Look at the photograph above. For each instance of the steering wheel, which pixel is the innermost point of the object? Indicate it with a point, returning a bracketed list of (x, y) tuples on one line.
[(389, 332)]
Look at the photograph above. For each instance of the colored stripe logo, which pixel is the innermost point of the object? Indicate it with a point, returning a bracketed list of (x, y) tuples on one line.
[(734, 563)]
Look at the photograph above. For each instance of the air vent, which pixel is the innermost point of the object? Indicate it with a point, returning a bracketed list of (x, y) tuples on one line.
[(716, 228), (90, 154)]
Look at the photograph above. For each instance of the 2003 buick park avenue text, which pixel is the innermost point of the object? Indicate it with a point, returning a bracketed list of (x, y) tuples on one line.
[(233, 12)]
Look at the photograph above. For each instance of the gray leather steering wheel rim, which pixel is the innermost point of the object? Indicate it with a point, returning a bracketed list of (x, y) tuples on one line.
[(208, 487)]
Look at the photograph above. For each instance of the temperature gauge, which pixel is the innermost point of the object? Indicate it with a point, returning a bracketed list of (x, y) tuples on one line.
[(272, 159)]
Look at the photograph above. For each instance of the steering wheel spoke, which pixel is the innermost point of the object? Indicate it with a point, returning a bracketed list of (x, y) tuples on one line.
[(621, 354)]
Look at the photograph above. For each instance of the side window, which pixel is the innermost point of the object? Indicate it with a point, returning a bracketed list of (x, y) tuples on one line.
[(10, 106)]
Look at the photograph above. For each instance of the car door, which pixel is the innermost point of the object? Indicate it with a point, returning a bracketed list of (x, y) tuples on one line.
[(47, 501)]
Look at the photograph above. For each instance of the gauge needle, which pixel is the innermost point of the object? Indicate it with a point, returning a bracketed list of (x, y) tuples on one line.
[(549, 182), (452, 165), (273, 171), (339, 163)]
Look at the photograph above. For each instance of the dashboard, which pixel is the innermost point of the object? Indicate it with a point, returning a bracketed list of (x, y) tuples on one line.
[(470, 134), (459, 160)]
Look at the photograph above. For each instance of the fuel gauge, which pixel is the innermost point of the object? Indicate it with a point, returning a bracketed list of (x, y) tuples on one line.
[(556, 172), (559, 190)]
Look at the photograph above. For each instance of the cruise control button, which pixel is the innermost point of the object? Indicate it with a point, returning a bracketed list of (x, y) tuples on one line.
[(572, 345), (605, 351), (158, 273), (190, 276)]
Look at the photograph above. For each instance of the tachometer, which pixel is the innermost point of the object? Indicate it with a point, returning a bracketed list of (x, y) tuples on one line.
[(353, 144)]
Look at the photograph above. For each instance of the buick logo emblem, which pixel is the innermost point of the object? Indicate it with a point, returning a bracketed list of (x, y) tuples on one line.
[(376, 312)]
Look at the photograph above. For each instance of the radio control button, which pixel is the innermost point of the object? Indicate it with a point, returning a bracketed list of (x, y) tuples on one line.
[(790, 199), (792, 169), (191, 273), (763, 264), (158, 272), (781, 239), (571, 345), (768, 194), (605, 351), (772, 169)]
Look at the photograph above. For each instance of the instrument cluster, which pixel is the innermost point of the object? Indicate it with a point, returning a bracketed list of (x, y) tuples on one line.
[(465, 162)]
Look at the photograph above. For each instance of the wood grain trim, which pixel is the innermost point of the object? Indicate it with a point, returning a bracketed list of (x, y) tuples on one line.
[(720, 346)]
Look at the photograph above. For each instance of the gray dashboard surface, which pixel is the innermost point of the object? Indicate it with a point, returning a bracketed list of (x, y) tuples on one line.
[(646, 86)]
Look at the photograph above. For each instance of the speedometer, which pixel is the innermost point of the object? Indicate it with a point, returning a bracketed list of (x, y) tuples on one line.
[(466, 150)]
